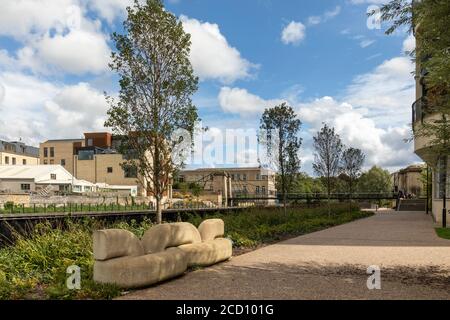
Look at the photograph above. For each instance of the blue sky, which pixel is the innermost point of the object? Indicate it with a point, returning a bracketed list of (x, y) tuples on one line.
[(319, 56)]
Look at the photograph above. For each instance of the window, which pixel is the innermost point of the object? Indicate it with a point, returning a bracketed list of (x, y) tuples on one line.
[(52, 152), (258, 176), (130, 172), (257, 190), (244, 177), (14, 161), (90, 142), (45, 162), (63, 162), (24, 161), (263, 190), (53, 176), (45, 152), (109, 169), (25, 187), (238, 176), (6, 160), (52, 161), (86, 155)]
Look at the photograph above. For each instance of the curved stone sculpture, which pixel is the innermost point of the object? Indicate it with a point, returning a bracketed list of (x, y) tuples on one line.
[(165, 251)]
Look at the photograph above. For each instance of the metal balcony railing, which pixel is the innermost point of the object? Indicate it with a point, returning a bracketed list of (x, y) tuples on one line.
[(418, 110)]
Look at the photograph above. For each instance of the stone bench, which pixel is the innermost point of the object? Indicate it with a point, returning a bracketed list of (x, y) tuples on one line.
[(165, 251)]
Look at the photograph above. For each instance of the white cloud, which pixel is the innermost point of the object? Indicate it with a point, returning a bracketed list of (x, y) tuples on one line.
[(409, 44), (240, 101), (36, 110), (293, 33), (366, 43), (382, 146), (26, 18), (387, 92), (212, 56), (77, 52), (109, 9), (56, 36), (313, 20)]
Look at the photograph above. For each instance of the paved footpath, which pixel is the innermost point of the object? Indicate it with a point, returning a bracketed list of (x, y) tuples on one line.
[(329, 264)]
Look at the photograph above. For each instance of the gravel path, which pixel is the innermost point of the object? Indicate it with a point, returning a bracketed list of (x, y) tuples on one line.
[(329, 264)]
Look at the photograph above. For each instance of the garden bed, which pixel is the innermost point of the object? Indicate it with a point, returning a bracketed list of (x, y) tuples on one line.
[(35, 266)]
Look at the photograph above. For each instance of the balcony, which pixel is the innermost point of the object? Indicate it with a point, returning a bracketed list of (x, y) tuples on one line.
[(418, 110)]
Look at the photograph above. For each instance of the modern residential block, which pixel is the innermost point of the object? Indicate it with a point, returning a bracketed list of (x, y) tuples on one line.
[(18, 153), (95, 159)]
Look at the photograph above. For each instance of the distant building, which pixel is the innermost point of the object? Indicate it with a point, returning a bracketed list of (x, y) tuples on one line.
[(409, 180), (34, 179), (18, 153), (232, 182), (51, 179), (94, 159)]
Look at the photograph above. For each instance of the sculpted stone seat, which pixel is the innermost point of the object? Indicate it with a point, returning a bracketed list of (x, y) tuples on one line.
[(211, 248), (165, 251)]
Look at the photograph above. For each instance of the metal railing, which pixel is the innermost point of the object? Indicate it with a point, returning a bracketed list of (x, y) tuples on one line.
[(418, 110)]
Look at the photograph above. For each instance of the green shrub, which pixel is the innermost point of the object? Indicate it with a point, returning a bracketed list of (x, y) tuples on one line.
[(8, 205), (35, 266)]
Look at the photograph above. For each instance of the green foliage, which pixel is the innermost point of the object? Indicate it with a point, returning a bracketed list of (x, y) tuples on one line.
[(376, 180), (351, 164), (154, 110), (443, 233), (327, 157), (430, 19), (303, 183), (280, 136), (256, 226), (35, 266), (8, 205)]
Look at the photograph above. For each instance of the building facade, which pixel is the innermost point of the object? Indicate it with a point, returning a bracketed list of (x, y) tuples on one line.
[(233, 182), (34, 179), (17, 153), (437, 160), (409, 181), (93, 159)]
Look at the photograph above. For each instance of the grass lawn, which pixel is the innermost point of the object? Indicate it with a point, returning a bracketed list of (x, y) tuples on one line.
[(443, 233), (35, 266)]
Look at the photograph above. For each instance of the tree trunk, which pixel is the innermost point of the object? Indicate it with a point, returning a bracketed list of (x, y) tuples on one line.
[(158, 210), (329, 196)]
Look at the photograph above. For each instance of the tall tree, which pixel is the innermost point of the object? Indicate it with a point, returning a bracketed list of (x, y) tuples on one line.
[(154, 112), (279, 134), (352, 161), (328, 151), (376, 180)]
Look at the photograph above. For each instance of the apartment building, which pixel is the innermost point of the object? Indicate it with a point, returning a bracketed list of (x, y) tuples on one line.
[(233, 182), (422, 112), (18, 153), (94, 158), (409, 180)]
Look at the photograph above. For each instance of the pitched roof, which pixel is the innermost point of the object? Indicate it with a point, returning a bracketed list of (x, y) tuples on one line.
[(39, 173)]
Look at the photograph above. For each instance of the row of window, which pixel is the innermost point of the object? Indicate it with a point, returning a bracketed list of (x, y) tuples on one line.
[(14, 161), (52, 152), (61, 162)]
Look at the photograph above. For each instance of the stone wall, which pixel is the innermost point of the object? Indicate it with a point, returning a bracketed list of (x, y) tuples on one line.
[(30, 200)]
